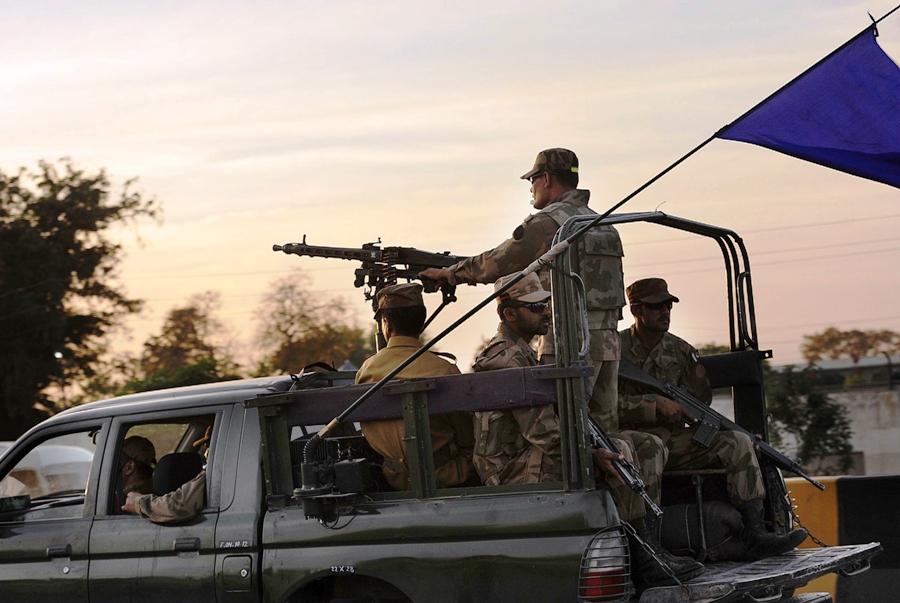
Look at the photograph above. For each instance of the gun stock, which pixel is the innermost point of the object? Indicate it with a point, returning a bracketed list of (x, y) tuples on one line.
[(708, 420)]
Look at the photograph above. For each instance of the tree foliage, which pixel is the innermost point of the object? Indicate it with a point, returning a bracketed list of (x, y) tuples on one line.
[(58, 294), (833, 344), (820, 426), (296, 328), (190, 349)]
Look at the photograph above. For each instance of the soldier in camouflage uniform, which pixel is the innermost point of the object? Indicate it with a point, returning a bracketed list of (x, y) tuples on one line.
[(182, 504), (401, 311), (177, 506), (519, 445), (522, 445), (554, 181), (649, 346)]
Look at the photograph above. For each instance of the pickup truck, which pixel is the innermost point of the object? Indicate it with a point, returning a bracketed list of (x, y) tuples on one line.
[(280, 527)]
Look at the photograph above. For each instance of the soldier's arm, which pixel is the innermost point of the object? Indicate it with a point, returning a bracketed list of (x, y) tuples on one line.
[(694, 377), (636, 408), (540, 427), (182, 504), (529, 241)]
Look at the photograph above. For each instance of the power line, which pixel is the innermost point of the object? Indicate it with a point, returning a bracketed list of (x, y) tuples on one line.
[(822, 257), (777, 228), (776, 252)]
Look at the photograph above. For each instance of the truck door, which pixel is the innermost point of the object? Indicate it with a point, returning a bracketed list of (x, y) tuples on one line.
[(134, 558), (46, 512)]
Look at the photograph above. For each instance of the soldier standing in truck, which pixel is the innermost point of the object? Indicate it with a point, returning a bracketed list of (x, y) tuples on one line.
[(555, 193)]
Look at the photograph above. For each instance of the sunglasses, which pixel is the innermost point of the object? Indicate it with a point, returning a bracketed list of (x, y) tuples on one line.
[(536, 307), (657, 306), (536, 176)]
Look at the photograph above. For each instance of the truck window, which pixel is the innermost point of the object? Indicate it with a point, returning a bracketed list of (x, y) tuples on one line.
[(53, 475), (159, 457)]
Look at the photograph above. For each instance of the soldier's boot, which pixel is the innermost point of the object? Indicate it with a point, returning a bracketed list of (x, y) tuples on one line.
[(762, 543), (648, 569)]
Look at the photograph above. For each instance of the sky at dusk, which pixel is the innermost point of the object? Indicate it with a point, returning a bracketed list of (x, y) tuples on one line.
[(256, 123)]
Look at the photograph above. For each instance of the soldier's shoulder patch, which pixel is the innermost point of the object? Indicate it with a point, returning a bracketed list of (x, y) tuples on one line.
[(695, 356), (518, 232), (700, 371), (528, 219)]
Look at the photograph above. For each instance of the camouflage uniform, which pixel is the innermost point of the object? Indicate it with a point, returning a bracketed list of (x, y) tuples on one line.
[(519, 445), (600, 255), (522, 445), (676, 361), (451, 434), (180, 505)]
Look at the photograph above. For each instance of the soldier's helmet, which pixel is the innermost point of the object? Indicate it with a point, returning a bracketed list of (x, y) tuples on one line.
[(649, 291), (553, 160), (405, 295), (140, 449)]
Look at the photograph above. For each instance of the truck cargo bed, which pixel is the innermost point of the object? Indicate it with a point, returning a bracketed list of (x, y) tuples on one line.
[(768, 579)]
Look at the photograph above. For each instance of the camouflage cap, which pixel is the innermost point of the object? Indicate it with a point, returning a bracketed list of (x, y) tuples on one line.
[(553, 160), (406, 295), (649, 291), (140, 449), (527, 290)]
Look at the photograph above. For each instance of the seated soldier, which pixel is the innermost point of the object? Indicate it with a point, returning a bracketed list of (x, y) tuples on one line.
[(522, 445), (182, 504), (137, 460), (401, 313), (649, 346)]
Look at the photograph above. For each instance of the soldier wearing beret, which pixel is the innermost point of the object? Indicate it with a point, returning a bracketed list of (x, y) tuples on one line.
[(554, 182), (401, 313), (648, 345)]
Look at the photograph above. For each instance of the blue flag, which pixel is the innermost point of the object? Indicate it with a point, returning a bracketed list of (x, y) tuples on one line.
[(843, 113)]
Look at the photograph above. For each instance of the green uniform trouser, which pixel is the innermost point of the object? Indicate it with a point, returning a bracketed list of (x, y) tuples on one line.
[(647, 453), (729, 450)]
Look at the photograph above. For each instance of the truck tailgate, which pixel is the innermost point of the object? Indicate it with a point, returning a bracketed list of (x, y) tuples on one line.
[(765, 580)]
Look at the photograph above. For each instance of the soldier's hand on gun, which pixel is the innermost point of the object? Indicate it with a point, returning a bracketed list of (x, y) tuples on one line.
[(439, 276), (605, 458), (672, 411)]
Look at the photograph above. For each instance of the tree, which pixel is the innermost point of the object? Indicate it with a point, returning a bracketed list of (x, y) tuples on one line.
[(295, 328), (58, 293), (834, 344), (188, 351), (709, 349), (820, 427)]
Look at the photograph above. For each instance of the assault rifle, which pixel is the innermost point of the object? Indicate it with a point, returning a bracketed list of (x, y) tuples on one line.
[(628, 472), (708, 420), (383, 266)]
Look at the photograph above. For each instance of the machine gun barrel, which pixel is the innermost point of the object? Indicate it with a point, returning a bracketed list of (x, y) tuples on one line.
[(383, 266), (341, 253), (628, 472), (708, 420)]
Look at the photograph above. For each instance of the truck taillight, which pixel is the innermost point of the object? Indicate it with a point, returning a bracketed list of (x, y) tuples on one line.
[(605, 571)]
